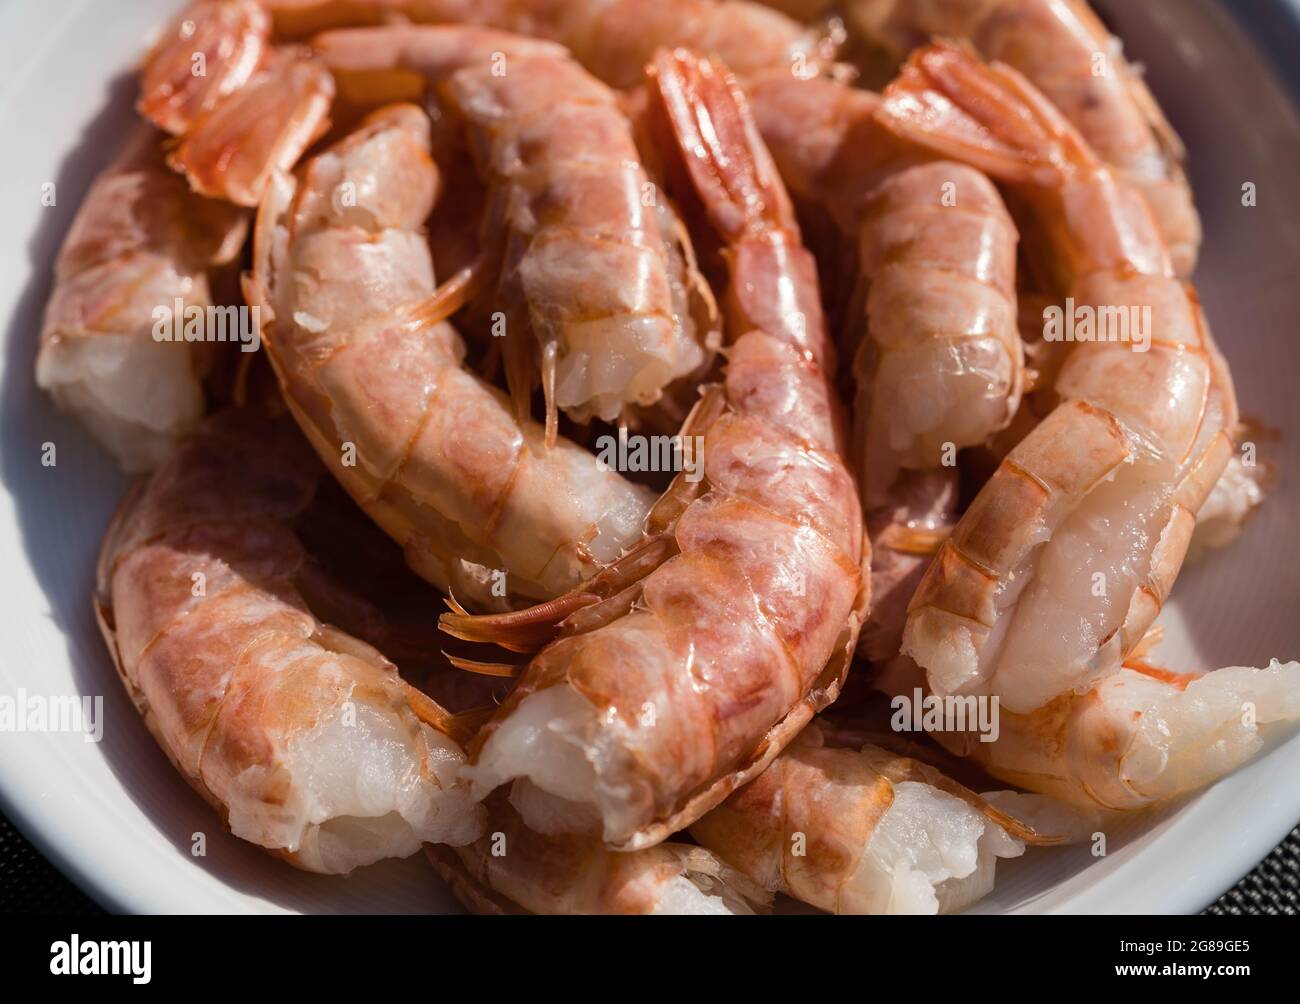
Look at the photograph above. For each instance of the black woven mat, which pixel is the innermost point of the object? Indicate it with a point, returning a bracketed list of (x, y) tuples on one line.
[(31, 885), (1272, 888)]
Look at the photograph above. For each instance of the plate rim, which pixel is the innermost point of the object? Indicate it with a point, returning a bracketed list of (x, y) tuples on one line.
[(1273, 28)]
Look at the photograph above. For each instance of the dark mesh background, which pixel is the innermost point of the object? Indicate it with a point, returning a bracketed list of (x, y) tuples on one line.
[(1272, 888)]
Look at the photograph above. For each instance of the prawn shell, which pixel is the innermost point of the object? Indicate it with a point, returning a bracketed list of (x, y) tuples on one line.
[(198, 601)]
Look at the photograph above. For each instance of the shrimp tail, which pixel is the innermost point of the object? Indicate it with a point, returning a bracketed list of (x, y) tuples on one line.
[(733, 176), (708, 118), (949, 100)]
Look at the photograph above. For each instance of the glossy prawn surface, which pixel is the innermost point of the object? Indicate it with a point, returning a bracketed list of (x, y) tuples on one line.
[(860, 830), (579, 250), (141, 243), (940, 366), (209, 51), (1140, 736), (1067, 53), (687, 683), (239, 107), (478, 502), (301, 736), (1062, 562)]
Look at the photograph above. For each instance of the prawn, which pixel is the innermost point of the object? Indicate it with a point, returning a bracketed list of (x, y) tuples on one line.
[(942, 366), (302, 737), (613, 39), (140, 242), (576, 874), (581, 249), (344, 275), (680, 688), (239, 108), (858, 830), (1065, 557), (1066, 52), (1138, 737)]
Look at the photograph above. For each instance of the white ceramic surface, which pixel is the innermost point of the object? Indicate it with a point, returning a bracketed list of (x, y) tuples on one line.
[(115, 817)]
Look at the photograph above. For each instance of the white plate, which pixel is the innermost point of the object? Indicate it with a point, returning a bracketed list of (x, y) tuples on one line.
[(117, 819)]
